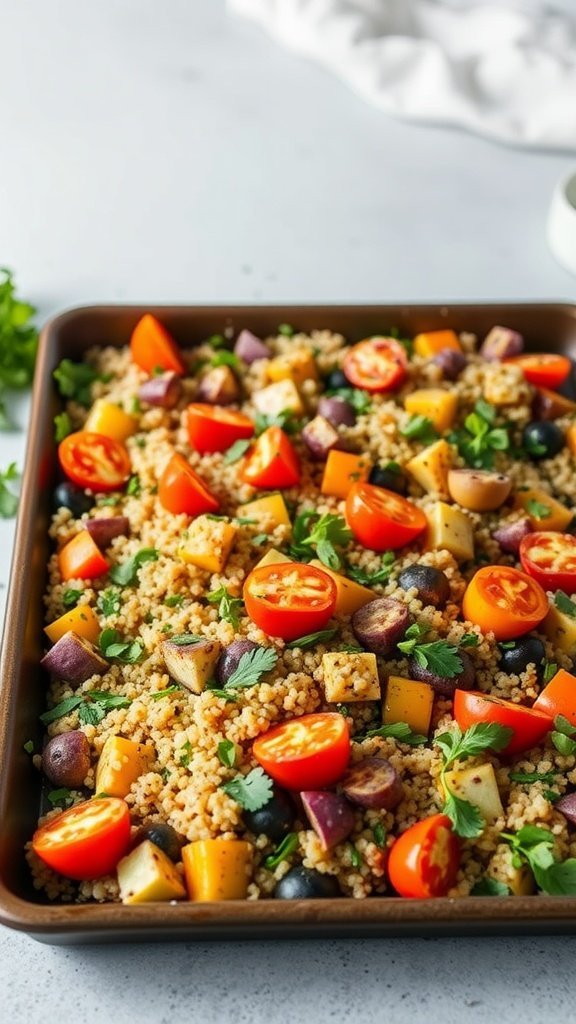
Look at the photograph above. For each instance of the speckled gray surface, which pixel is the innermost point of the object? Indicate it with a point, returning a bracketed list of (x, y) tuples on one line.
[(162, 153)]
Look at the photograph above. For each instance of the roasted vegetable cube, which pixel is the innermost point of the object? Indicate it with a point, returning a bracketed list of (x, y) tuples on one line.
[(80, 620), (479, 787), (297, 366), (191, 665), (208, 543), (435, 404), (269, 512), (342, 470), (351, 595), (560, 629), (408, 700), (543, 511), (217, 869), (350, 677), (121, 762), (109, 419), (148, 874), (431, 466), (430, 343), (277, 398), (450, 529)]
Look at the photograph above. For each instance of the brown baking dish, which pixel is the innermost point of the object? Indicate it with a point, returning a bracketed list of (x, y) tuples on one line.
[(547, 327)]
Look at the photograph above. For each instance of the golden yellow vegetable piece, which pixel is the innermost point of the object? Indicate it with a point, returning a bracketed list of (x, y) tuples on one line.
[(109, 419), (81, 620), (351, 595), (217, 869), (276, 398), (560, 629), (208, 543), (435, 404), (571, 438), (270, 511), (191, 664), (430, 343), (343, 469), (479, 787), (296, 366), (519, 880), (430, 468), (408, 700), (121, 762), (147, 874), (544, 512), (450, 529), (273, 557), (350, 677)]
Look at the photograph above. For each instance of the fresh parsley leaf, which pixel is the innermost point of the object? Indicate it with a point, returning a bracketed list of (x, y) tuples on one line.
[(438, 656), (565, 604), (70, 597), (60, 797), (251, 666), (479, 439), (400, 731), (311, 639), (355, 857), (488, 886), (225, 358), (18, 337), (185, 752), (286, 330), (359, 400), (351, 649), (184, 639), (28, 746), (235, 452), (486, 411), (465, 817), (379, 835), (8, 500), (259, 539), (251, 791), (324, 533), (92, 707), (228, 606), (563, 736), (109, 602), (226, 751), (165, 693), (287, 420), (112, 645), (370, 579), (65, 707), (533, 846), (223, 694), (537, 509), (134, 487), (529, 777), (284, 850), (174, 600), (550, 670), (469, 640), (420, 428), (62, 426), (458, 746), (126, 573), (75, 381)]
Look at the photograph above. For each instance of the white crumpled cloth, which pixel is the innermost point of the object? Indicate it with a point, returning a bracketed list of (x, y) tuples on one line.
[(505, 70)]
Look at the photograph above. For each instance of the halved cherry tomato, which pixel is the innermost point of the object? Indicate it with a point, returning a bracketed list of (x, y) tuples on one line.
[(424, 860), (81, 559), (504, 601), (550, 558), (377, 364), (180, 489), (94, 461), (310, 752), (529, 725), (381, 519), (559, 697), (211, 428), (272, 462), (152, 347), (290, 599), (545, 369), (86, 841)]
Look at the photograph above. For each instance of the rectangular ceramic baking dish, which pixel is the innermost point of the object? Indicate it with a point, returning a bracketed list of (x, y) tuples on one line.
[(547, 327)]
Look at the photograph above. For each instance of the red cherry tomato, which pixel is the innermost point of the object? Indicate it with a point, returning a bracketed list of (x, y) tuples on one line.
[(212, 428), (272, 463), (86, 841), (550, 558), (181, 489), (381, 519), (377, 364), (289, 599), (529, 725), (424, 860), (153, 348), (94, 461), (505, 601), (544, 370), (310, 752), (559, 697)]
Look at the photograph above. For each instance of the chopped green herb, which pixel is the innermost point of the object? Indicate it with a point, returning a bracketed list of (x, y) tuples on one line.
[(184, 639), (287, 420), (8, 500), (226, 751), (479, 439), (488, 886), (286, 330), (284, 850), (469, 640), (311, 639), (550, 670), (537, 509), (251, 791), (551, 795), (359, 400), (351, 649), (18, 337), (251, 666), (216, 341), (112, 645), (420, 428), (62, 426), (259, 539), (324, 533), (135, 405), (60, 797), (70, 597), (245, 521), (223, 694), (225, 358), (134, 487), (92, 707), (235, 452), (355, 857), (458, 746), (439, 656), (109, 602), (185, 752), (75, 381), (29, 747), (228, 606), (109, 499), (174, 600), (65, 707), (126, 573), (379, 835), (533, 846), (530, 777), (166, 693), (370, 579), (343, 710), (400, 731), (565, 604)]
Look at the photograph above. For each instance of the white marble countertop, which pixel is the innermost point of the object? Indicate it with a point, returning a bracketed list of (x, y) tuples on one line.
[(162, 153)]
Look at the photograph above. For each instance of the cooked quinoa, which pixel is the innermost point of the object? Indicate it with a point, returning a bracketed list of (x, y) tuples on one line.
[(182, 783)]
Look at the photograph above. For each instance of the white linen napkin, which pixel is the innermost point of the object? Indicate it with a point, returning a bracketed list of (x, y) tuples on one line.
[(504, 70)]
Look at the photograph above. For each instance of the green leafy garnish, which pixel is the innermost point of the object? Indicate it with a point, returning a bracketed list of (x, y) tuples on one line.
[(62, 426), (92, 707), (400, 731), (458, 746), (287, 420), (126, 573), (563, 736), (488, 886), (355, 856), (529, 777), (65, 707), (284, 850), (359, 400), (369, 579), (565, 604), (235, 452), (311, 639), (469, 640), (223, 694), (216, 341), (165, 693), (537, 509), (251, 666), (18, 341), (251, 791), (225, 358), (226, 751), (8, 500), (134, 487), (75, 381), (28, 746), (550, 670), (420, 428), (286, 329), (438, 656), (185, 752), (228, 606), (70, 597), (109, 602), (379, 835), (174, 600), (479, 439), (112, 645), (324, 533), (185, 639), (533, 846), (259, 539), (60, 797)]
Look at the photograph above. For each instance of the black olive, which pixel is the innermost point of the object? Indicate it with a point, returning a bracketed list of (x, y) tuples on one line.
[(163, 836), (336, 379), (67, 495), (432, 584), (302, 883), (274, 820), (542, 439), (391, 479), (524, 651)]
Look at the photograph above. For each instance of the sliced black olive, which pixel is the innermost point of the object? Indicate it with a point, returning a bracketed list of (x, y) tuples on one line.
[(542, 439), (275, 819), (67, 495), (163, 836), (302, 883), (526, 650), (432, 584), (391, 478)]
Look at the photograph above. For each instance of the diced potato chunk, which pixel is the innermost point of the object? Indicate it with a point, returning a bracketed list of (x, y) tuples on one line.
[(273, 557), (82, 620), (297, 366), (351, 595), (408, 700), (430, 468), (208, 543), (561, 630), (270, 511), (435, 404), (430, 343), (121, 762), (552, 515), (479, 787), (277, 398), (343, 469), (350, 677), (217, 869), (191, 664), (148, 874), (109, 419), (451, 530)]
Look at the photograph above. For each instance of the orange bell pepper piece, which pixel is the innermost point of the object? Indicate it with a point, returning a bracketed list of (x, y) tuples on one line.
[(153, 347), (81, 559)]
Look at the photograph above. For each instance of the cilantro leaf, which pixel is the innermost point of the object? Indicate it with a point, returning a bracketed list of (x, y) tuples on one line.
[(479, 439), (286, 419), (226, 751), (112, 645), (134, 487), (369, 579), (457, 745), (225, 358), (228, 606), (251, 791), (532, 845), (60, 797), (235, 452), (537, 509), (184, 639), (465, 817), (75, 381), (8, 500), (311, 639), (70, 597), (65, 707), (379, 835), (325, 533), (438, 656), (550, 670), (400, 731), (284, 850), (18, 337), (488, 886), (355, 856), (62, 426), (420, 428), (166, 692), (251, 666), (359, 400), (91, 706), (126, 573), (174, 600), (109, 602), (529, 777)]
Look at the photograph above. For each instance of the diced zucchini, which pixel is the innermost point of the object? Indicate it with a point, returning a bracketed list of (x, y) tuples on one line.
[(408, 700), (430, 468), (479, 787), (297, 366), (556, 516), (350, 677), (208, 543), (217, 869), (435, 404), (350, 595), (277, 398), (451, 530), (270, 511), (191, 664), (147, 874), (121, 762)]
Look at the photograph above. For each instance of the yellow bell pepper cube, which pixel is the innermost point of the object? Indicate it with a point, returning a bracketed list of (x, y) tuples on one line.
[(343, 469), (273, 557), (217, 869), (451, 530), (430, 343), (350, 676), (350, 595), (109, 419), (121, 762), (478, 787), (147, 875), (297, 366), (408, 700), (208, 543), (269, 512), (431, 466), (435, 404), (560, 629), (543, 511), (276, 398), (82, 620)]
